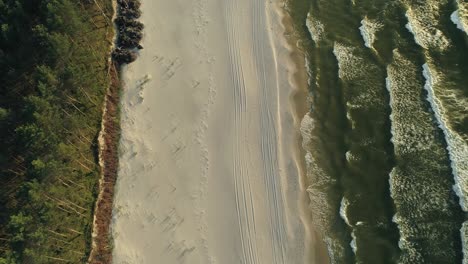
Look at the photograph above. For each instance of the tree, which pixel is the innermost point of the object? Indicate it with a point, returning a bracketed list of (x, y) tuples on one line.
[(18, 225)]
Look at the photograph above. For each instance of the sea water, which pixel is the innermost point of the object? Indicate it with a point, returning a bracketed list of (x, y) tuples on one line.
[(386, 138)]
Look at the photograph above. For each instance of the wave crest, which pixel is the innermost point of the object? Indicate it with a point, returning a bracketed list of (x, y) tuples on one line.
[(422, 23), (368, 29)]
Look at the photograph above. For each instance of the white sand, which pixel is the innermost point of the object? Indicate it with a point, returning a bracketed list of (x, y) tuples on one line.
[(210, 171)]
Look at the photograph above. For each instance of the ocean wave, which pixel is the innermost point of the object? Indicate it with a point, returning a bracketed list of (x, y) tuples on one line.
[(426, 242), (368, 29), (316, 175), (308, 70), (456, 146), (350, 66), (408, 136), (349, 117), (320, 194), (318, 178), (335, 250), (306, 128), (457, 149), (460, 16), (418, 182), (324, 211), (343, 214), (464, 238), (361, 76), (353, 243), (343, 208), (422, 23), (351, 157), (315, 27)]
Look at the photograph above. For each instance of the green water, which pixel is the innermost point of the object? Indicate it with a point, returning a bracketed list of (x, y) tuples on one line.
[(385, 144)]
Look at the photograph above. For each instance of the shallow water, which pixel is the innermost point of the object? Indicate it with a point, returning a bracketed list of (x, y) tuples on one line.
[(386, 138)]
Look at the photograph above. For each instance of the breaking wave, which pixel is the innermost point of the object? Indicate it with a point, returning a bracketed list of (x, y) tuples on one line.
[(368, 29), (315, 27), (457, 148), (460, 16), (321, 194), (422, 23), (464, 237), (417, 140), (426, 212), (343, 207)]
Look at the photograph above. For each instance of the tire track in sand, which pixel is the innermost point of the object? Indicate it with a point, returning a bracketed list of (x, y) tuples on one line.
[(268, 129), (243, 190), (269, 133)]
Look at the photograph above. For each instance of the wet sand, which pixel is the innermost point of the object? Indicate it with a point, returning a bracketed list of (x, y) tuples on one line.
[(210, 165)]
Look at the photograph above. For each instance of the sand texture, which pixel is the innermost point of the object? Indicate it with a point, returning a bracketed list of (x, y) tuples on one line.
[(209, 166)]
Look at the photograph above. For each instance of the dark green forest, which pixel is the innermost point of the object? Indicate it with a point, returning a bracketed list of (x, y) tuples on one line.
[(53, 77)]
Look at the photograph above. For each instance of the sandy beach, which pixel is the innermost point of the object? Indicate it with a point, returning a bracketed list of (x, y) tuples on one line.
[(210, 166)]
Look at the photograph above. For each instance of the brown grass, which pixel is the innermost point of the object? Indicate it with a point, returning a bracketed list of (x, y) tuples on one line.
[(101, 252)]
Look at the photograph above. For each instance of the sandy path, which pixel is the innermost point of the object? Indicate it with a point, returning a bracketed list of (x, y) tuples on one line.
[(209, 166)]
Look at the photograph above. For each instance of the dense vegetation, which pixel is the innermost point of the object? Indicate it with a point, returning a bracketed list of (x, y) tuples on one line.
[(129, 31), (53, 78)]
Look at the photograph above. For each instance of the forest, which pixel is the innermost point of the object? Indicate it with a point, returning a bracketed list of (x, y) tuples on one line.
[(54, 74)]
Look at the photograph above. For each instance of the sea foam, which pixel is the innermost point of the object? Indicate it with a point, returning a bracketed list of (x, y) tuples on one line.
[(353, 243), (408, 135), (458, 152), (343, 213), (464, 238), (460, 16), (422, 23), (315, 27), (354, 67), (456, 146), (368, 29), (343, 208), (319, 194), (422, 192)]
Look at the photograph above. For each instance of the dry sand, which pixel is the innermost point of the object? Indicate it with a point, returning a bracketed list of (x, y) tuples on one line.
[(210, 167)]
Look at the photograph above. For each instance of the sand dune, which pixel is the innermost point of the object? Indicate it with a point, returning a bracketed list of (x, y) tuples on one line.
[(210, 171)]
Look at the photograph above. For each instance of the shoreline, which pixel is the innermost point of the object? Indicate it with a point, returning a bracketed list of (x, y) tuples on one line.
[(299, 107)]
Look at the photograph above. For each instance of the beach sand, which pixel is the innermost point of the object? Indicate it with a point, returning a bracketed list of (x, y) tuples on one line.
[(210, 165)]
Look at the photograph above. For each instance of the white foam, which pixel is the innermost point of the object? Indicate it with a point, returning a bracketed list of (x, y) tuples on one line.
[(350, 66), (408, 136), (350, 156), (353, 67), (331, 250), (460, 16), (308, 70), (413, 132), (392, 191), (343, 208), (320, 181), (455, 17), (316, 28), (388, 85), (307, 125), (315, 175), (353, 242), (421, 23), (457, 148), (368, 29), (464, 238)]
